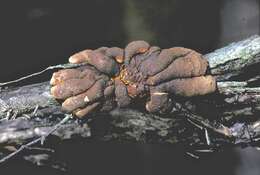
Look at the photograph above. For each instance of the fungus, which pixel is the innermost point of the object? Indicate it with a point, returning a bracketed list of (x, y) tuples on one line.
[(85, 111), (98, 59), (135, 90), (190, 65), (72, 87), (78, 87), (159, 102), (189, 87), (95, 92), (156, 76), (164, 59), (149, 65), (103, 63), (122, 98), (80, 57), (74, 102), (116, 53), (63, 75), (102, 50), (133, 48), (109, 91)]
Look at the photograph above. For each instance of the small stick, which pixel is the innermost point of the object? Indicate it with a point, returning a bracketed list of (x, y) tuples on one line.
[(40, 149), (192, 155), (195, 118), (207, 137), (40, 139), (35, 110), (60, 66), (204, 150), (198, 126)]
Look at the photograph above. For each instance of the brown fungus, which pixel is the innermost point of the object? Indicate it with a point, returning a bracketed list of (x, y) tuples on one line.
[(80, 57), (72, 87), (62, 75), (116, 53), (95, 92), (189, 87), (109, 91), (190, 65), (98, 59), (86, 83), (85, 111), (122, 98), (133, 48), (103, 63), (164, 59), (159, 102), (149, 65), (149, 73), (74, 102), (102, 50)]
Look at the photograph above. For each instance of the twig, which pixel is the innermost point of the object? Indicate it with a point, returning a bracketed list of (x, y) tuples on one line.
[(207, 137), (35, 110), (64, 120), (195, 124), (204, 150), (195, 118), (192, 155), (60, 66), (40, 139), (40, 149), (135, 126)]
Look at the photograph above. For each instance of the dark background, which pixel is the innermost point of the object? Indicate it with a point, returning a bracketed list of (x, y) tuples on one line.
[(37, 34)]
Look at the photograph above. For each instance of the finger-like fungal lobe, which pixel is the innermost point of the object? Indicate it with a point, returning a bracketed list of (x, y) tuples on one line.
[(97, 58), (189, 87), (122, 98), (116, 53), (74, 86), (159, 102), (134, 48), (115, 77), (85, 111), (188, 65), (80, 57), (103, 63)]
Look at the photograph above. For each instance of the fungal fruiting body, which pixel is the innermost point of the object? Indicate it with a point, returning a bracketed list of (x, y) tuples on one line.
[(115, 77)]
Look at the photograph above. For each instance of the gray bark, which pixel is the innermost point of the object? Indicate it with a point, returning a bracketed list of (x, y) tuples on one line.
[(229, 116)]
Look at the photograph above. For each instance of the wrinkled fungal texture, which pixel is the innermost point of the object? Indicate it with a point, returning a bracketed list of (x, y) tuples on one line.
[(159, 102), (122, 98), (134, 48), (103, 63), (116, 53), (190, 65), (115, 77)]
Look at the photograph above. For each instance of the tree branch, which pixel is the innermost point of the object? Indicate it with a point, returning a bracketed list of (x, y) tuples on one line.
[(230, 116)]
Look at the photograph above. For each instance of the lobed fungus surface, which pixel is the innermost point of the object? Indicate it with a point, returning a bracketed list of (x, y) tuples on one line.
[(115, 77)]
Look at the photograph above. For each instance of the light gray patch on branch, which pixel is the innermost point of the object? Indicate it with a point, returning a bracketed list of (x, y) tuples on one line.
[(235, 56)]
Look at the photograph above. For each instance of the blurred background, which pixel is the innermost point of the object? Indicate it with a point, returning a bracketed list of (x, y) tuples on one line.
[(37, 34)]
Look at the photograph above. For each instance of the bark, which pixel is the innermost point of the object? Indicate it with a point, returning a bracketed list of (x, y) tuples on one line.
[(229, 116)]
